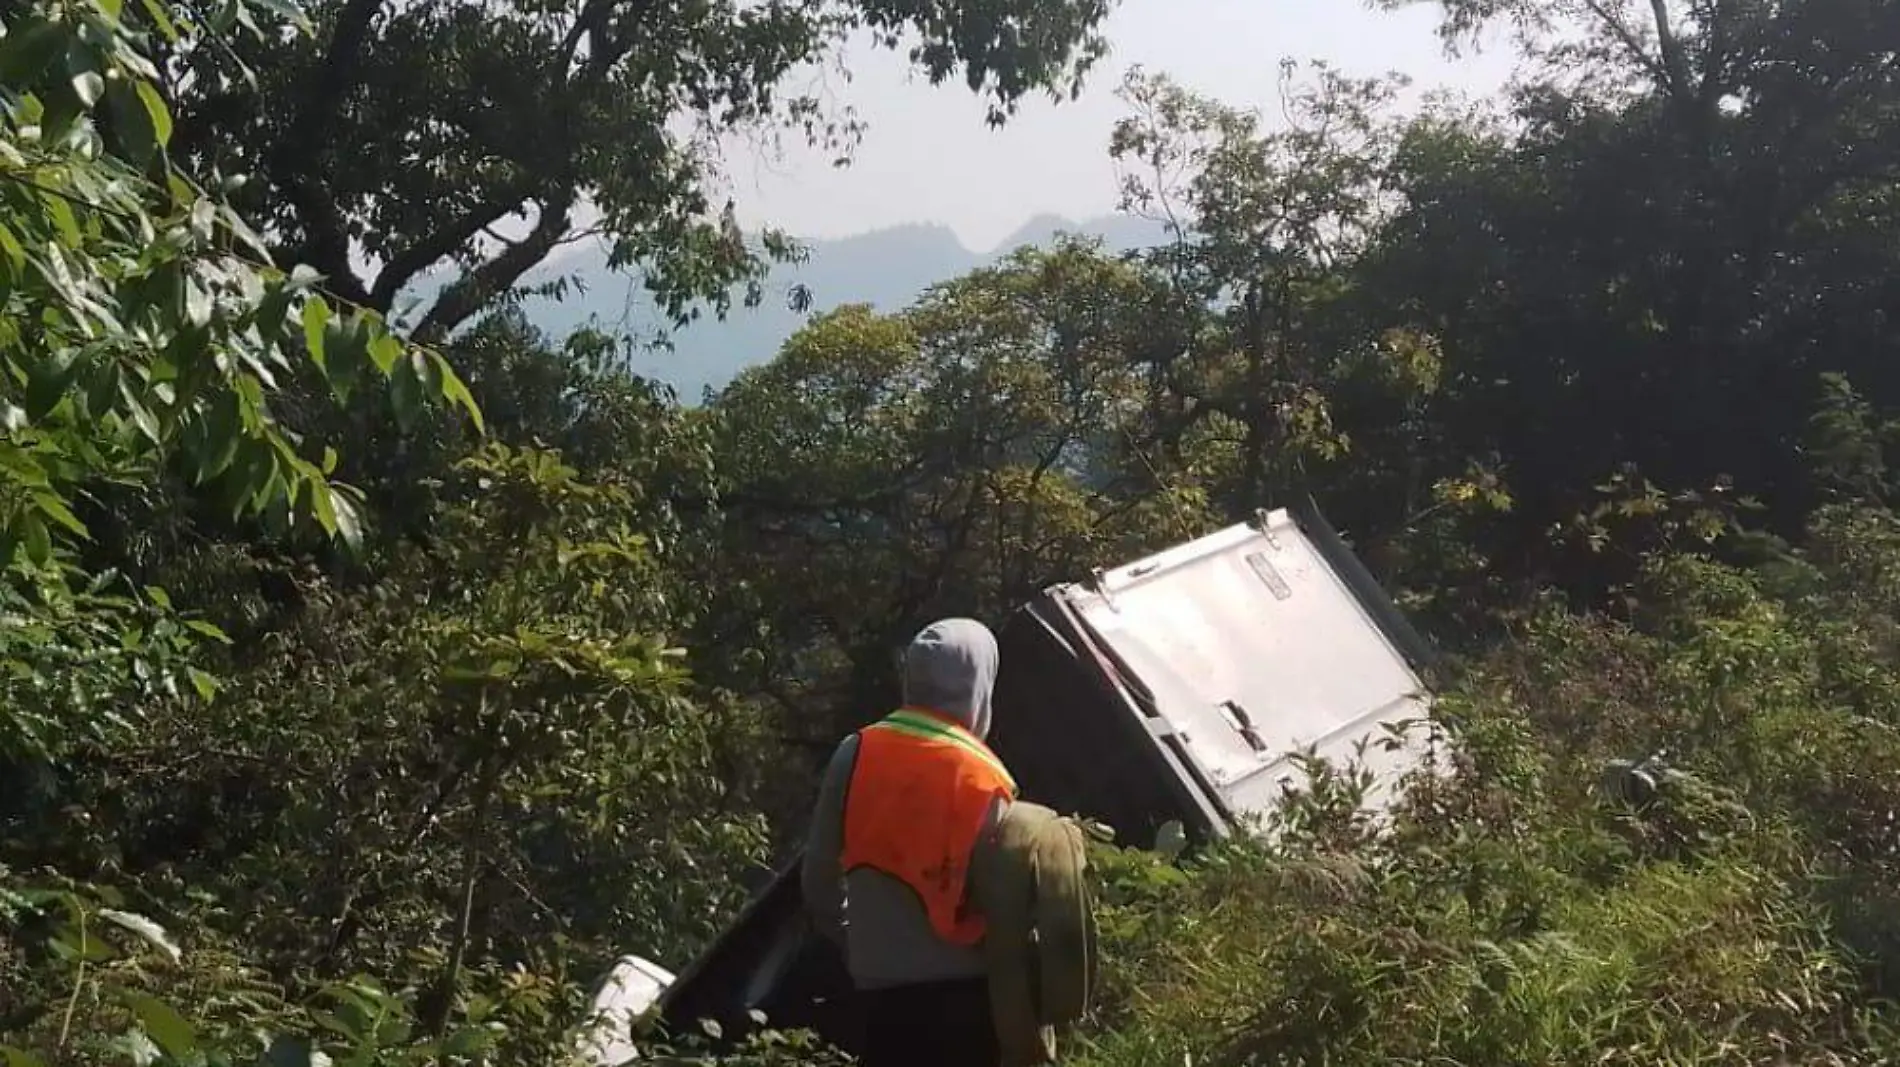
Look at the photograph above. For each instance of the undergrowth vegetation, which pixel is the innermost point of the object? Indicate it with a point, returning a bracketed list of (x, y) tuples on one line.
[(366, 691), (1667, 838)]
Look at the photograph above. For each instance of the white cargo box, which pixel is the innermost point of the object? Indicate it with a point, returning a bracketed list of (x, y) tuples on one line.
[(1199, 672)]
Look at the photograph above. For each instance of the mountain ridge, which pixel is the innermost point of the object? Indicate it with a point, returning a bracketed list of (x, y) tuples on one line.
[(886, 268)]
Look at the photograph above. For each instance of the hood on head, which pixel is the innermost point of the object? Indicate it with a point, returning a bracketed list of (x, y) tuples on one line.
[(950, 668)]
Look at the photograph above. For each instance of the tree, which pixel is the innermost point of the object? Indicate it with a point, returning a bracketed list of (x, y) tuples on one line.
[(1268, 227), (1687, 220), (952, 458), (145, 333), (417, 133)]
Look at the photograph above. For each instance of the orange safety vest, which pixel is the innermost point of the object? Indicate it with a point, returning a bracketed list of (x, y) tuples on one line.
[(919, 793)]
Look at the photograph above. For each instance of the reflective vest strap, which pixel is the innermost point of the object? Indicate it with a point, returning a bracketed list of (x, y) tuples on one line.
[(932, 728)]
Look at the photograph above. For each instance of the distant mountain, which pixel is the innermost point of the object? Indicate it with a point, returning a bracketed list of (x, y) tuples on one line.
[(885, 268)]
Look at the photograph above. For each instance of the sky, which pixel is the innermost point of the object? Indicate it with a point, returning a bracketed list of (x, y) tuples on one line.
[(928, 156)]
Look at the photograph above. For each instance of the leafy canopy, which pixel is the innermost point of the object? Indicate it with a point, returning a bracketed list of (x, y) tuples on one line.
[(478, 138)]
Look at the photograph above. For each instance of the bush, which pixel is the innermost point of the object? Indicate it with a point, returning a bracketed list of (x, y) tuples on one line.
[(1519, 912)]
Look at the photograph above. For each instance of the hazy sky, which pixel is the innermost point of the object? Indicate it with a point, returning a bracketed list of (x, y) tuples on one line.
[(928, 156)]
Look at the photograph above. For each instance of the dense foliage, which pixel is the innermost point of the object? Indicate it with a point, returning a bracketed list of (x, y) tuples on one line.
[(1531, 907), (363, 696)]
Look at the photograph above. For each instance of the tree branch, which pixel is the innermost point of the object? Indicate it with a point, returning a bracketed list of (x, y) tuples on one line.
[(591, 20), (1674, 63), (1631, 44), (474, 290), (296, 161), (419, 256)]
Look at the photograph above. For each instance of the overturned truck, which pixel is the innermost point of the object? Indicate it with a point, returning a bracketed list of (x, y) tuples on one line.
[(1175, 689)]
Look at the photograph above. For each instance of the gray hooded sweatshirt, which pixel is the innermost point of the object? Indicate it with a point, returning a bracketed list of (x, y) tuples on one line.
[(949, 668)]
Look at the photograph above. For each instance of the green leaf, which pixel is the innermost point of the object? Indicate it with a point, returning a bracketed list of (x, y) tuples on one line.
[(349, 341), (161, 18), (156, 110), (405, 394), (35, 538), (25, 54), (74, 944), (47, 382), (205, 684), (268, 484), (204, 219), (455, 391), (15, 252), (241, 231), (102, 387), (89, 87), (316, 316), (147, 930), (468, 1041), (291, 13), (223, 434), (135, 1048), (62, 211), (16, 1057), (131, 126), (325, 511), (164, 1025), (241, 477), (54, 508), (140, 414), (197, 302), (385, 351), (349, 517), (63, 111), (207, 630)]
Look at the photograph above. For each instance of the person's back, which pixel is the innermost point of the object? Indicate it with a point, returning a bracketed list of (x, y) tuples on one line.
[(900, 809)]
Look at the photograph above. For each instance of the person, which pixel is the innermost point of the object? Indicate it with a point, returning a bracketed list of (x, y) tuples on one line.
[(899, 813)]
